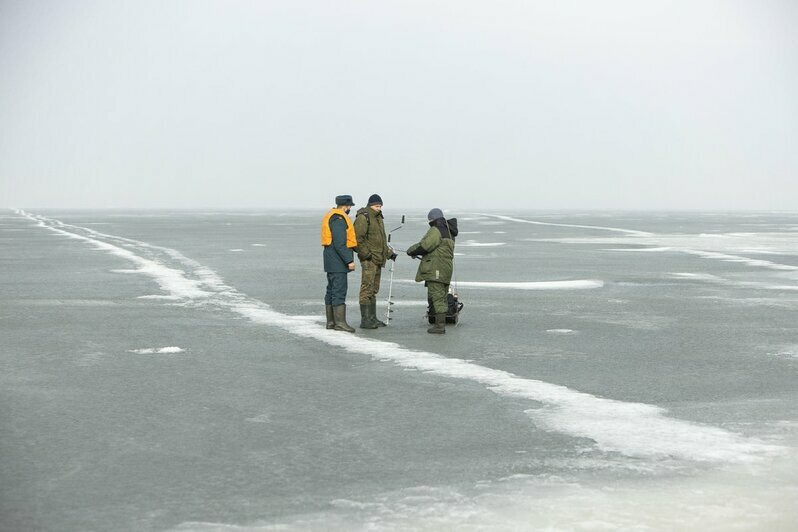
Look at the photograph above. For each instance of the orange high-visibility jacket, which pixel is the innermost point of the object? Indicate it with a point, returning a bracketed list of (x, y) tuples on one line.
[(326, 234)]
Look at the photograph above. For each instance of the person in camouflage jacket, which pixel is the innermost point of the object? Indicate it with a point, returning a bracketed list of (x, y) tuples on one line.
[(373, 252), (436, 251)]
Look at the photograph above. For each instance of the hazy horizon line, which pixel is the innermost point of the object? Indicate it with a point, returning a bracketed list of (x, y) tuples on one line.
[(410, 209)]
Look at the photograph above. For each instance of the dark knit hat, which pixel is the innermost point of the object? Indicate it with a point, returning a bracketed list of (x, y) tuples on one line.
[(344, 199), (434, 214), (374, 199)]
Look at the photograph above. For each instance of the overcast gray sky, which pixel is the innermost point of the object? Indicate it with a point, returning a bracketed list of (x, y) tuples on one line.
[(456, 104)]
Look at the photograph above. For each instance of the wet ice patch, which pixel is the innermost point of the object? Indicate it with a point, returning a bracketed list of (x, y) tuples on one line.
[(258, 245), (236, 250), (737, 499), (561, 331), (90, 359), (158, 350)]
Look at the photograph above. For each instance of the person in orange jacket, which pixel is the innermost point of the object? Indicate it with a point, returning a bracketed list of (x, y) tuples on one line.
[(339, 242)]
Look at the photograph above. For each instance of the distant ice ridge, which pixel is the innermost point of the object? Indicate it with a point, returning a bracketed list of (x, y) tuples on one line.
[(171, 280), (577, 284), (709, 278), (726, 247), (786, 352), (744, 260), (521, 220), (474, 243), (633, 429), (158, 350)]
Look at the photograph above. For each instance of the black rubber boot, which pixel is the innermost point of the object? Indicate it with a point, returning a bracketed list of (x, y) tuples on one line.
[(330, 317), (366, 320), (440, 324), (339, 312), (373, 314)]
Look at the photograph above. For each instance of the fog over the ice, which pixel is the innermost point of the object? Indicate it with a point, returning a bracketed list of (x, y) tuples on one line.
[(617, 104)]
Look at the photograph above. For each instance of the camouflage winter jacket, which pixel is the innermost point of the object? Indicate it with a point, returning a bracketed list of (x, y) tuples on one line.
[(372, 244), (436, 250)]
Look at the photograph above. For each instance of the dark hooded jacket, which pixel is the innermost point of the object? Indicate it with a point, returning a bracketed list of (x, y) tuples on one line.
[(436, 250)]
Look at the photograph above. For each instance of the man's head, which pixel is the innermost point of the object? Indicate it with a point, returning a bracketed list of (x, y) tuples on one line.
[(375, 202), (434, 214), (344, 202)]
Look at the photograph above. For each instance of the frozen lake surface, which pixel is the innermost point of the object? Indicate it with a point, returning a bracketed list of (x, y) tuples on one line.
[(611, 371)]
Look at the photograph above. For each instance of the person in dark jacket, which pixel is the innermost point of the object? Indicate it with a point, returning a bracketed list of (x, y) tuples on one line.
[(373, 252), (339, 241), (436, 251)]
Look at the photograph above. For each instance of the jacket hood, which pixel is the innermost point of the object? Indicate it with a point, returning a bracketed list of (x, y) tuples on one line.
[(448, 228), (452, 222)]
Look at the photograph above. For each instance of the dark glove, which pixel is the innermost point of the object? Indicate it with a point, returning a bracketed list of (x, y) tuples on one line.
[(416, 251), (393, 257)]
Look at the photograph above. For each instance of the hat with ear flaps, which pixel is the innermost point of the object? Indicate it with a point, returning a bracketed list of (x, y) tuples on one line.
[(344, 199)]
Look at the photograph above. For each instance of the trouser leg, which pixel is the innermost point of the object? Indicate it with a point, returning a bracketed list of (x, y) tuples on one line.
[(375, 288), (436, 292), (328, 291), (336, 288), (369, 281)]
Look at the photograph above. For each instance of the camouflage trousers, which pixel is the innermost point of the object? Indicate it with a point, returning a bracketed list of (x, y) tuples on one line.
[(369, 282), (436, 293)]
